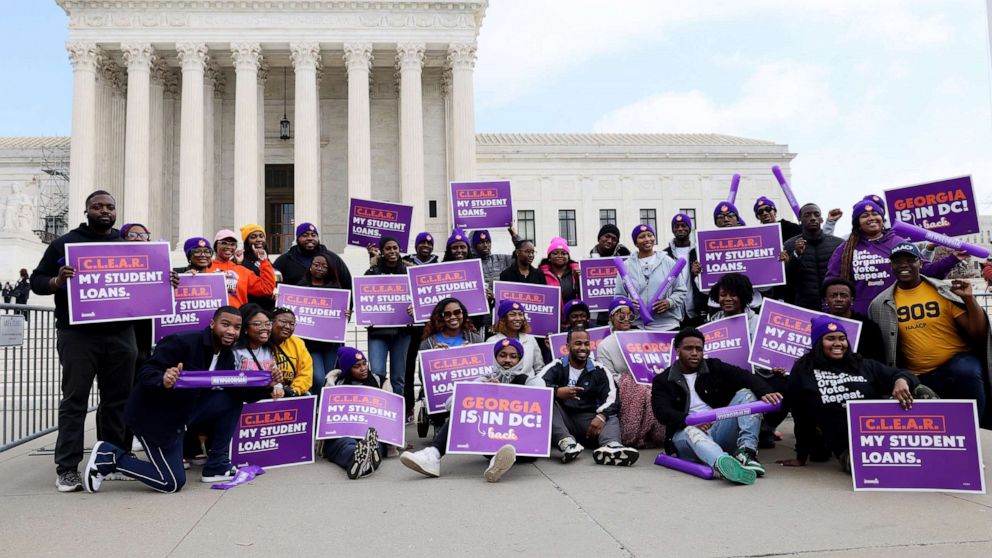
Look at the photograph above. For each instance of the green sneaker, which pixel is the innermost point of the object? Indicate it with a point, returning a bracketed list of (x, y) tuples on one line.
[(749, 460), (924, 392), (731, 469)]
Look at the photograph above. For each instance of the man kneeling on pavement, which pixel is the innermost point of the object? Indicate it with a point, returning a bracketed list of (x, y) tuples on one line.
[(694, 384)]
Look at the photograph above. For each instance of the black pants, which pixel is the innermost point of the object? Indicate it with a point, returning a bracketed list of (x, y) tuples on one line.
[(409, 395), (107, 357), (771, 420)]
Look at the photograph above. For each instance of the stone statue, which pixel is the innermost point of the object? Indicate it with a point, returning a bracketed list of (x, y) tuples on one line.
[(18, 211)]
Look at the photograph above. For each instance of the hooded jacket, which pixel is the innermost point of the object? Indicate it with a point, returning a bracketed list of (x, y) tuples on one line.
[(806, 273), (647, 287), (873, 274), (599, 393), (296, 364), (241, 281), (532, 359)]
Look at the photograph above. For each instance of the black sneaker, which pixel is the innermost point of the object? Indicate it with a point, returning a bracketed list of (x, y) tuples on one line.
[(220, 476), (372, 443), (845, 462), (570, 449), (68, 481), (92, 479), (749, 460), (359, 460)]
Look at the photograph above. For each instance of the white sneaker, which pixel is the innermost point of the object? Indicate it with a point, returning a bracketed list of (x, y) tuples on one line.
[(136, 446), (117, 476), (426, 461), (501, 463), (570, 449), (615, 454), (91, 477)]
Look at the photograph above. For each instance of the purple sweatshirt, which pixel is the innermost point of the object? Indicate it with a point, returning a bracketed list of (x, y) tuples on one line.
[(871, 271)]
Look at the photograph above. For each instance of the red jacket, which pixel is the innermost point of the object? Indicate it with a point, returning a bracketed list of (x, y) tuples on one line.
[(241, 281)]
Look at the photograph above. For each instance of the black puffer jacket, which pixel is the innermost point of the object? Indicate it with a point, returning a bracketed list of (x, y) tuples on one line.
[(294, 263), (805, 274)]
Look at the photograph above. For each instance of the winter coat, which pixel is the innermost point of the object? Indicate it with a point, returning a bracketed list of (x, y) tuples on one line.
[(699, 297), (532, 358), (806, 273), (599, 393), (647, 287), (294, 263), (241, 282)]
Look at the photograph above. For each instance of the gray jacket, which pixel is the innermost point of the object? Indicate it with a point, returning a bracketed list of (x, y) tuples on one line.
[(647, 287)]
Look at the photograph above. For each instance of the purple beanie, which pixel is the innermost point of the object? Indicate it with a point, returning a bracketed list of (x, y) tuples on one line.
[(761, 202), (424, 237), (618, 303), (865, 205), (195, 242), (823, 325), (457, 235), (642, 228), (727, 207), (480, 235), (505, 306), (682, 218), (508, 342), (348, 357), (304, 228), (572, 305)]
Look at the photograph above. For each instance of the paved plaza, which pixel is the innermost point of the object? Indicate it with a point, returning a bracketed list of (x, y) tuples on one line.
[(542, 509)]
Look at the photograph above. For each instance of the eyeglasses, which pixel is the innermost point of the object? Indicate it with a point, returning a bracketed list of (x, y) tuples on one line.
[(452, 313), (623, 317), (284, 322), (201, 252), (138, 236), (261, 325), (227, 243), (763, 210)]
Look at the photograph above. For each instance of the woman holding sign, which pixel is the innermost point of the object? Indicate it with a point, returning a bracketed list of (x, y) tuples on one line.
[(864, 258), (512, 323), (359, 457), (322, 274), (648, 272), (826, 378), (389, 342)]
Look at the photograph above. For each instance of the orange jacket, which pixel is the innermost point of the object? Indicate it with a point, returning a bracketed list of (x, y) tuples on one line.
[(241, 282)]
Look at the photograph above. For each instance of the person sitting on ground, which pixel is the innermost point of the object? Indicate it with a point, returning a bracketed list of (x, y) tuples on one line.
[(256, 350), (638, 427), (240, 281), (838, 295), (825, 379), (291, 354), (359, 457), (648, 269), (936, 330), (586, 406), (509, 368), (158, 414), (809, 253), (512, 323), (522, 269), (693, 384)]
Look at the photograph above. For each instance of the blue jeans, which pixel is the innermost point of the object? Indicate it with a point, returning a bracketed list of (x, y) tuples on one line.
[(325, 358), (396, 347), (340, 451), (958, 378), (723, 437)]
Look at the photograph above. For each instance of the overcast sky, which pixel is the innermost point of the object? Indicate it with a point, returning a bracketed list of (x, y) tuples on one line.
[(869, 94)]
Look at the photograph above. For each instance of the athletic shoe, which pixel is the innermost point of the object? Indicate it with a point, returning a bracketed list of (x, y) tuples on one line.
[(68, 481), (426, 461), (501, 463), (186, 464), (199, 459), (392, 451), (117, 476), (136, 446), (845, 462), (749, 460), (570, 449), (615, 454), (92, 479), (731, 469), (923, 392), (372, 442), (221, 476), (359, 460)]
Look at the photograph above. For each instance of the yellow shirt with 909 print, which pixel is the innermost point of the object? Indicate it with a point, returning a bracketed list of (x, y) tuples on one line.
[(928, 334)]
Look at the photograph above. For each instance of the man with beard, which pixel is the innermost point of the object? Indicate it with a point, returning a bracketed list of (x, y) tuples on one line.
[(810, 253), (239, 280), (608, 243), (105, 351), (423, 250), (295, 262), (838, 296), (682, 246)]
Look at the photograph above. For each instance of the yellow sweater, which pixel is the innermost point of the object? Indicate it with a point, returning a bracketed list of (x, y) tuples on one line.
[(296, 364)]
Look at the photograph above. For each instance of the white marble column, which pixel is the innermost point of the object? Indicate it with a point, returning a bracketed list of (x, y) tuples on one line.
[(211, 77), (137, 131), (358, 59), (306, 144), (410, 61), (263, 76), (193, 57), (247, 57), (156, 152), (461, 57), (82, 160)]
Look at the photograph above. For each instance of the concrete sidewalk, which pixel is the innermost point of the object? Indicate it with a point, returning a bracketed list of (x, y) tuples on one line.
[(546, 509)]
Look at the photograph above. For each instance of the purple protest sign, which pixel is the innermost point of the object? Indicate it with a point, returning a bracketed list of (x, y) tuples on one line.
[(481, 205), (933, 447), (118, 281), (783, 334), (752, 251), (559, 345), (369, 221), (197, 297), (206, 379), (320, 313), (487, 416), (275, 433), (443, 368), (598, 282), (541, 302), (432, 283), (349, 411), (947, 206), (382, 300), (647, 353), (727, 339)]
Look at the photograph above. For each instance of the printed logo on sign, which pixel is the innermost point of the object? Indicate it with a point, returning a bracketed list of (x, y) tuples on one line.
[(127, 263), (199, 291), (376, 213), (717, 334), (383, 289), (790, 323), (896, 423), (441, 277), (601, 272), (308, 300), (268, 418), (477, 194), (457, 362), (528, 298), (722, 244)]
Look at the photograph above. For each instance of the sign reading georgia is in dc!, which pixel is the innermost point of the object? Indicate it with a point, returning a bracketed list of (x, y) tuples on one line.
[(947, 207), (349, 411), (369, 221), (119, 281), (559, 344), (487, 416), (275, 433), (320, 313), (197, 298), (727, 339), (481, 205), (753, 251), (382, 300), (433, 283), (933, 447), (783, 334), (443, 368), (540, 302), (647, 353), (598, 282)]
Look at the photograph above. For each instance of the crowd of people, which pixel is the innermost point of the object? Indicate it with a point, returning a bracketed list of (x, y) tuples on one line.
[(921, 337)]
